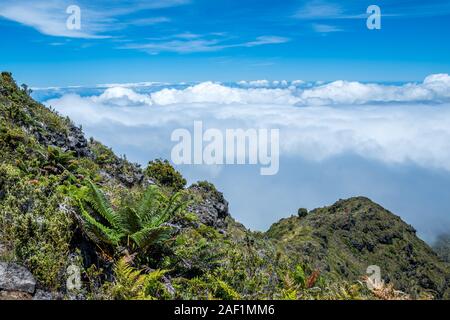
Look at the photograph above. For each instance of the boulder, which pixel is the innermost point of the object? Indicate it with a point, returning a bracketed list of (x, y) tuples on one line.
[(212, 208), (16, 278)]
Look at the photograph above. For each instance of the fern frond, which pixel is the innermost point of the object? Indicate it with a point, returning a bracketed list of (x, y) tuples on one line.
[(172, 206), (150, 235), (98, 231), (150, 204), (99, 202), (175, 205), (153, 286), (129, 282), (129, 220)]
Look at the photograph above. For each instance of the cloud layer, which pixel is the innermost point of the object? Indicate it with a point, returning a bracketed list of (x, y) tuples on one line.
[(435, 89), (316, 123)]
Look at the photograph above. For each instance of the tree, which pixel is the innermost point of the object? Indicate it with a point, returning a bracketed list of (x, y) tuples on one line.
[(26, 89), (302, 212)]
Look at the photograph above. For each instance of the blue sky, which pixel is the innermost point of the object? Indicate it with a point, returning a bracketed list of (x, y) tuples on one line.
[(222, 40)]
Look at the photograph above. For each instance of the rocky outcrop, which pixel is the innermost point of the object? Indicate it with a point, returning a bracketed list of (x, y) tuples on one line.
[(71, 140), (210, 205)]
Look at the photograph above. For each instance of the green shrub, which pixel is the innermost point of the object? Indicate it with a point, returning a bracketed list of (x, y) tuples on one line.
[(164, 174), (302, 212), (34, 225)]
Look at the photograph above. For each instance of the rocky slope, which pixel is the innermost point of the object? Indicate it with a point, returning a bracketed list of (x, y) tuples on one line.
[(46, 164)]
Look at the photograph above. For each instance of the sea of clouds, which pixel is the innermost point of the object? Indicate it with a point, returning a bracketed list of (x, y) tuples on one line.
[(390, 142)]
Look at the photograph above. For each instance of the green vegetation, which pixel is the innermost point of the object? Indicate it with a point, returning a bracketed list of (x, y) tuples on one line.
[(352, 234), (165, 175), (141, 222), (67, 201), (132, 284), (442, 247), (302, 212)]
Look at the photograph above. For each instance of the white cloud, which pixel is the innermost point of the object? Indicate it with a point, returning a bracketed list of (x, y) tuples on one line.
[(209, 92), (178, 46), (435, 88), (264, 40), (395, 134), (132, 84), (325, 28), (121, 96), (149, 21), (190, 43), (331, 10), (267, 83), (49, 17), (319, 10)]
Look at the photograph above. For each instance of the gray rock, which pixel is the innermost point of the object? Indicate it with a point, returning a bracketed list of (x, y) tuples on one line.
[(72, 140), (169, 287), (212, 210), (43, 295), (16, 278)]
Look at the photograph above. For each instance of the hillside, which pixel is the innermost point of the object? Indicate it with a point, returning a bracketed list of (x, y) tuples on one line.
[(347, 237), (68, 203)]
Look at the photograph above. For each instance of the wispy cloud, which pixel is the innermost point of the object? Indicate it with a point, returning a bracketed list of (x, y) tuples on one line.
[(98, 18), (325, 28), (319, 10), (263, 40), (333, 10), (190, 43), (148, 21)]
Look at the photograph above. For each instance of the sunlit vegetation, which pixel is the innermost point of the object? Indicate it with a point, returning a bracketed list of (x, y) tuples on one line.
[(138, 234)]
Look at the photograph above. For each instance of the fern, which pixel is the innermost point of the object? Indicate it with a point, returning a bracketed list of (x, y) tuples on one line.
[(300, 276), (132, 284), (101, 205), (142, 222), (150, 235), (129, 282), (98, 232)]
